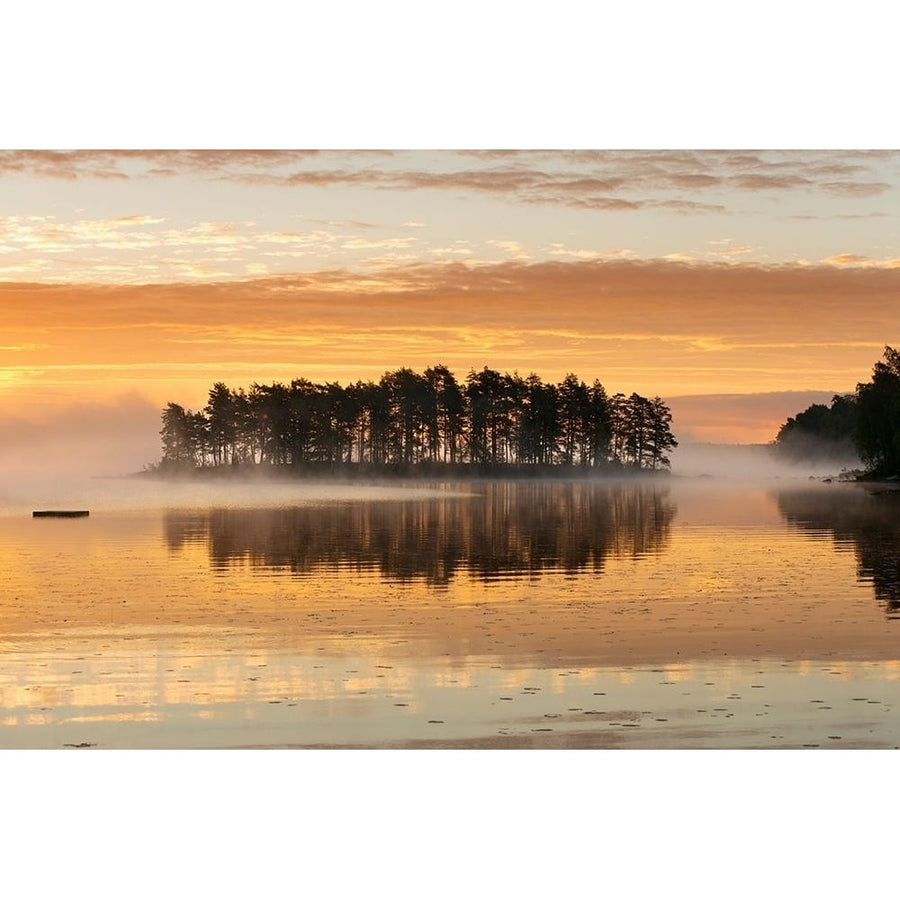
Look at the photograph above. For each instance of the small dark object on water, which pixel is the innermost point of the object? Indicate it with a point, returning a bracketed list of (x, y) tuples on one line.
[(60, 513)]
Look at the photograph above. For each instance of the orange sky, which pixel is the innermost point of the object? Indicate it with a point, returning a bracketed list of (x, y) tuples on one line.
[(739, 286), (654, 327)]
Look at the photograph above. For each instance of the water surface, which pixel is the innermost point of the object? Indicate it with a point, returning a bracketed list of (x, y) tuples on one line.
[(676, 613)]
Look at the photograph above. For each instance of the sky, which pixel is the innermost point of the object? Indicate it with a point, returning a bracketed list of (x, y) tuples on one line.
[(738, 285)]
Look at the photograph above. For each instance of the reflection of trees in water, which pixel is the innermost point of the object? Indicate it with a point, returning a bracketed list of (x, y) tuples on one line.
[(509, 529), (869, 523)]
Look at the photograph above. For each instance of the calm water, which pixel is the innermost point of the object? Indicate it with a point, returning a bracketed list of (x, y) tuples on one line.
[(683, 613)]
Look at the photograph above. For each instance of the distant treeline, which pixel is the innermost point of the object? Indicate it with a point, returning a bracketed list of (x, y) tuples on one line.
[(865, 424), (820, 432), (431, 419)]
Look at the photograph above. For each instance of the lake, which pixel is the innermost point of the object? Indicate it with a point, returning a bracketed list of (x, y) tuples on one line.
[(673, 613)]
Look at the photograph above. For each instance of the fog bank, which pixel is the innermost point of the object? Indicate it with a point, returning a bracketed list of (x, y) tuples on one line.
[(749, 462), (81, 439)]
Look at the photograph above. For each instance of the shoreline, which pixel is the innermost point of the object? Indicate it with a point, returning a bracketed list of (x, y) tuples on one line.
[(393, 472)]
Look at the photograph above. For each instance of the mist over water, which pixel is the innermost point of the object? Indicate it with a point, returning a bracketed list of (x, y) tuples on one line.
[(82, 479), (55, 445), (79, 456), (89, 459), (750, 463), (23, 494)]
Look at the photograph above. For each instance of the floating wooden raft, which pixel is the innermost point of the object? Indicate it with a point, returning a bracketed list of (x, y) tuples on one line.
[(60, 513)]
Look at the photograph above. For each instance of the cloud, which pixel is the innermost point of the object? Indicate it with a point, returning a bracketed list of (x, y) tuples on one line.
[(693, 180), (144, 248), (855, 189), (681, 181), (121, 164), (141, 248), (608, 204), (691, 288), (846, 259), (675, 323), (758, 181), (344, 223), (856, 260), (688, 206), (512, 249), (125, 233), (386, 244), (731, 252), (294, 237), (22, 348)]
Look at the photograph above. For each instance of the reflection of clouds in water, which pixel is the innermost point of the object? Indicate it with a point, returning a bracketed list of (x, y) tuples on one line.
[(146, 716), (889, 669), (678, 673), (305, 700)]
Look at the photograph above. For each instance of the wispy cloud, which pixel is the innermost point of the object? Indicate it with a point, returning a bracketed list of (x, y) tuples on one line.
[(512, 249), (683, 182), (858, 261), (855, 189), (386, 244), (562, 251), (141, 248)]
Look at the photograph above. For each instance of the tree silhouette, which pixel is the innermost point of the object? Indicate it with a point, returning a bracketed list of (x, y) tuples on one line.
[(448, 427), (820, 432), (868, 423), (222, 424), (485, 393), (410, 400), (574, 404), (183, 436), (600, 425), (659, 437), (878, 422), (409, 419)]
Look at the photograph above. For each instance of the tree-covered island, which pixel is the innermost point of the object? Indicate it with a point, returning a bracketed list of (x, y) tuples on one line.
[(420, 422)]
